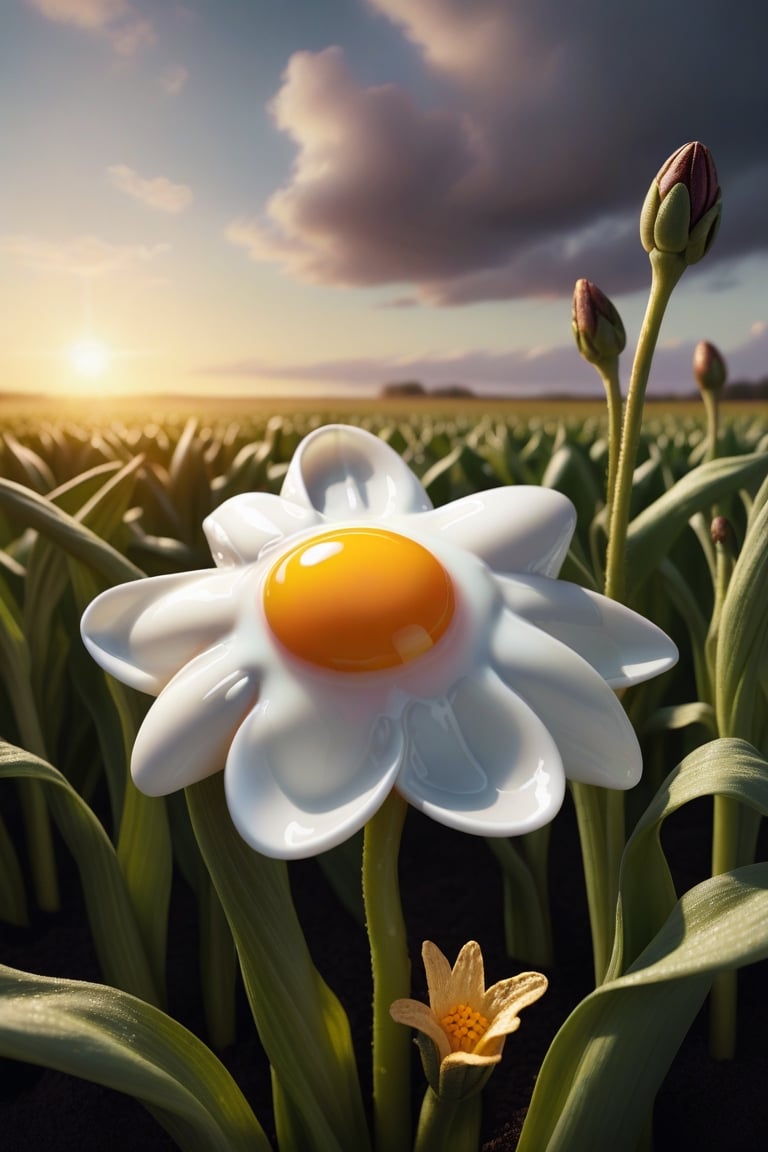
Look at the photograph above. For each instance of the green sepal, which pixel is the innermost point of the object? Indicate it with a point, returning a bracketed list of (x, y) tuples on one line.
[(672, 226), (450, 1082), (703, 234), (648, 214)]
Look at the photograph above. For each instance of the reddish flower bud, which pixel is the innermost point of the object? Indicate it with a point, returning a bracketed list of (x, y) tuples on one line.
[(597, 326), (709, 368), (682, 210)]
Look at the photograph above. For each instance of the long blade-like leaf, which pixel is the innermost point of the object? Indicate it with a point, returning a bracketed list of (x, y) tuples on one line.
[(115, 1039)]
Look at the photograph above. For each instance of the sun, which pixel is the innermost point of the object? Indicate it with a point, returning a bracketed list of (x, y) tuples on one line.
[(90, 358)]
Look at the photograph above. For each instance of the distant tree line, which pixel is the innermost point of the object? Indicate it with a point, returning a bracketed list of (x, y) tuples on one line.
[(736, 390)]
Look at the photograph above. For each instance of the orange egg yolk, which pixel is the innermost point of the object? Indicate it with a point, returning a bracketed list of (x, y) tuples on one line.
[(358, 600)]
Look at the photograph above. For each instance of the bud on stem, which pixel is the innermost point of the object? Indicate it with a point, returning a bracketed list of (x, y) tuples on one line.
[(681, 213)]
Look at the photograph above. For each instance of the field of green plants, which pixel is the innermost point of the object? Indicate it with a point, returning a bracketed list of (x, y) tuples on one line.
[(88, 501)]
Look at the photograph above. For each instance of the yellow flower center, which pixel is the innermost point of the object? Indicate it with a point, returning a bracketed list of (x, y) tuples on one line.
[(358, 600), (463, 1026)]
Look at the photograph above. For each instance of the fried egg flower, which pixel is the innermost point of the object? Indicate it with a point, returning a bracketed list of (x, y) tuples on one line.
[(353, 639), (463, 1028)]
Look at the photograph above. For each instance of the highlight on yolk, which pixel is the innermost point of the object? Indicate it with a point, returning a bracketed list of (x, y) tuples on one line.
[(358, 600)]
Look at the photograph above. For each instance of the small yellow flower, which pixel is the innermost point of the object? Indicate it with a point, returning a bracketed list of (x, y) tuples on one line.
[(466, 1023)]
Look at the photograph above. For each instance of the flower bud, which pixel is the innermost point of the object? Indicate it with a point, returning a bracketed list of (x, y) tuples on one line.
[(721, 532), (597, 326), (681, 213), (709, 368)]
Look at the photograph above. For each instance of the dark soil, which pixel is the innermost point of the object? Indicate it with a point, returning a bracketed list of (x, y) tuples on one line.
[(451, 893)]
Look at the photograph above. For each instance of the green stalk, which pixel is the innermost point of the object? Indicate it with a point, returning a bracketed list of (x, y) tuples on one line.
[(601, 821), (712, 408), (609, 374), (724, 994), (589, 804), (218, 968), (391, 975), (666, 270), (34, 808), (448, 1125), (527, 926)]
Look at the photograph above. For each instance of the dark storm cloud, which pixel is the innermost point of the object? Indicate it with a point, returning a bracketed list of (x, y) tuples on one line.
[(531, 170)]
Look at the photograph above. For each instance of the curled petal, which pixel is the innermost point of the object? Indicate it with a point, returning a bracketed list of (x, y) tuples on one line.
[(242, 526), (301, 778), (518, 529), (186, 733), (621, 645), (503, 1004), (416, 1015), (143, 632), (344, 472), (480, 760), (597, 743)]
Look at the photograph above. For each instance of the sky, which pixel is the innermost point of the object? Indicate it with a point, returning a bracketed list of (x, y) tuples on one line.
[(240, 197)]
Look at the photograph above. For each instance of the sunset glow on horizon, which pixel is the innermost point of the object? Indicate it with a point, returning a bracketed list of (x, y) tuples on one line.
[(324, 196)]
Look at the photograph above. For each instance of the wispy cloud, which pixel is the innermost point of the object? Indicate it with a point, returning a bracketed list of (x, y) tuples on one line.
[(86, 255), (535, 371), (157, 192), (116, 20), (174, 79)]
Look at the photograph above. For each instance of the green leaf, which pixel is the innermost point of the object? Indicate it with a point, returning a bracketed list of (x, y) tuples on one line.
[(722, 767), (115, 933), (302, 1025), (114, 1039), (654, 531), (599, 1078), (604, 1067), (79, 541)]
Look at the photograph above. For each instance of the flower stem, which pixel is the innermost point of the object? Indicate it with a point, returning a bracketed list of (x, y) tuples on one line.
[(589, 804), (666, 271), (218, 964), (391, 975), (527, 926), (448, 1125), (601, 818), (609, 373), (724, 995), (712, 409), (34, 806)]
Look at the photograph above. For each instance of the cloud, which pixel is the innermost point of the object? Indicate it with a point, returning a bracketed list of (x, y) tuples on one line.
[(116, 20), (505, 373), (157, 192), (556, 369), (529, 169), (174, 79), (87, 255)]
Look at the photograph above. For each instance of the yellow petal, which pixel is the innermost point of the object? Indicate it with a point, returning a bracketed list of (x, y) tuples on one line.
[(416, 1015), (468, 978), (438, 972), (517, 992)]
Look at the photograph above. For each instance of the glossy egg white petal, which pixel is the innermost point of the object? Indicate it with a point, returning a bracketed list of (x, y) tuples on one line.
[(299, 780), (480, 760), (144, 631), (241, 528), (621, 645), (185, 734), (516, 529), (344, 472), (596, 741)]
